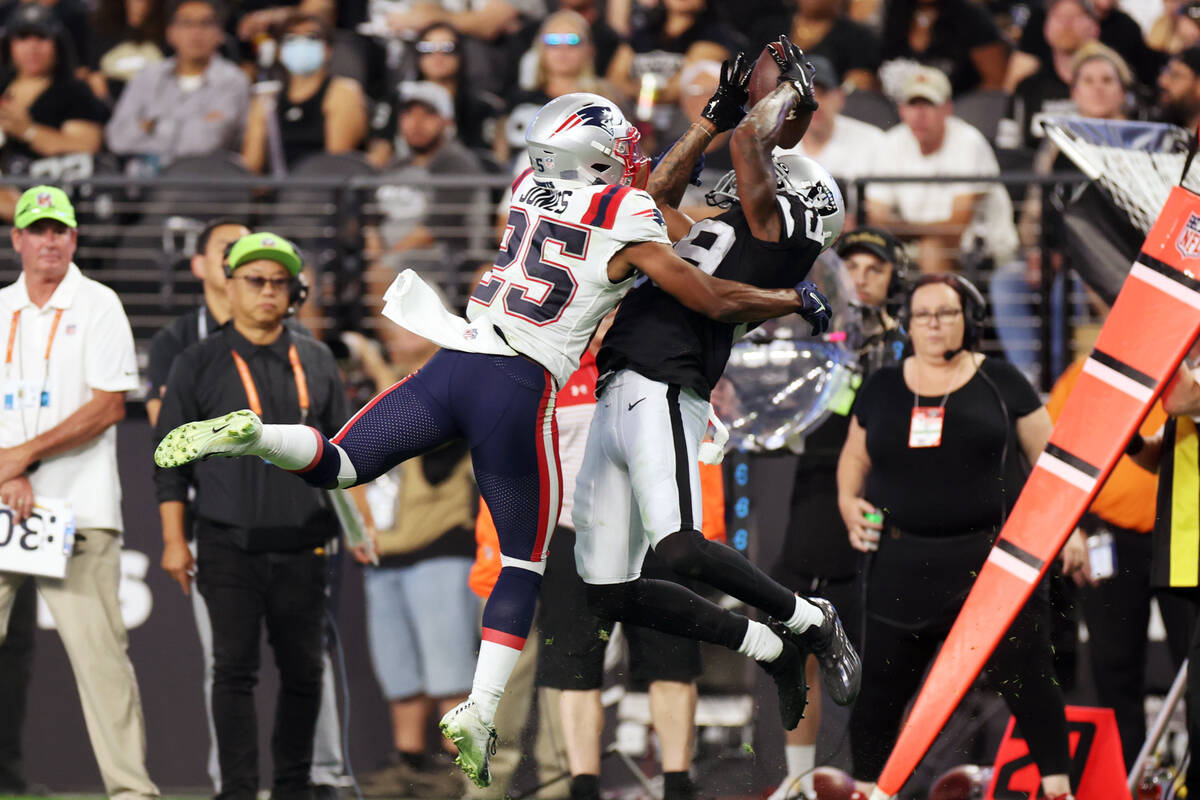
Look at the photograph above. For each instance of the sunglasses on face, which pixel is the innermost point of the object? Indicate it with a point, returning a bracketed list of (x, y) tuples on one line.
[(260, 282), (425, 48), (558, 39)]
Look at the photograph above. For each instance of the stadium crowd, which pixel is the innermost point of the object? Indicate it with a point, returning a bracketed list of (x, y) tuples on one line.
[(414, 90)]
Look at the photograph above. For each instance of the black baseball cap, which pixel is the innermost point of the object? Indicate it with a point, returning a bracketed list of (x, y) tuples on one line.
[(33, 19), (875, 241), (1190, 57), (825, 74)]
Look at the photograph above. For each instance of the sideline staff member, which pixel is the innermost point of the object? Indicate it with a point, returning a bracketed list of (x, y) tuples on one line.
[(259, 531), (68, 362)]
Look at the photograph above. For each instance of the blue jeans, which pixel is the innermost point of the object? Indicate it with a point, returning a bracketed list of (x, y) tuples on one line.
[(422, 627)]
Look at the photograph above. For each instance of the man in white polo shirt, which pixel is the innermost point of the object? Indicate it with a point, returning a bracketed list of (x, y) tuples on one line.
[(68, 361)]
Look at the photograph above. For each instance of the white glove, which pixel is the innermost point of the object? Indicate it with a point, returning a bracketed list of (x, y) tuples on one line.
[(712, 452)]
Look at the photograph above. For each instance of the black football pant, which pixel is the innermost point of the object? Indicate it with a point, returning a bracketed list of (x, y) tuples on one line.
[(16, 661), (1117, 612), (286, 591)]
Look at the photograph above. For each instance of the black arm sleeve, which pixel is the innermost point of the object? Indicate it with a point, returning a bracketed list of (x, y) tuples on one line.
[(179, 406)]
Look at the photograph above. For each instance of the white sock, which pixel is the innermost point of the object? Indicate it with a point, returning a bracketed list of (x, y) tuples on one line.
[(805, 616), (495, 664), (760, 643), (801, 758), (288, 446)]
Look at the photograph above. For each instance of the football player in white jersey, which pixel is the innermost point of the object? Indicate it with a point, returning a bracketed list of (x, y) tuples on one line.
[(639, 485), (578, 233)]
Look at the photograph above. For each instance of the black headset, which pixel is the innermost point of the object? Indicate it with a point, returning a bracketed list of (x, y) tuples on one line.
[(298, 287), (973, 304)]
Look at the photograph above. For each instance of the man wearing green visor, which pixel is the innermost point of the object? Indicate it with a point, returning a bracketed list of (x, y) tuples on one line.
[(260, 532), (68, 362)]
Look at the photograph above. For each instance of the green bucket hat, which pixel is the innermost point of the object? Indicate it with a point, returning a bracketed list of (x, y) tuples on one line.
[(270, 246), (44, 202)]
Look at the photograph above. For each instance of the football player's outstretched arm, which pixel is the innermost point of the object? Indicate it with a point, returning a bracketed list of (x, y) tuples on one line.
[(757, 135), (722, 300), (724, 110)]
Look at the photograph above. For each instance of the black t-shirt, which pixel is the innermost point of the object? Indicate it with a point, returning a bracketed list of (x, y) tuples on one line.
[(960, 27), (1043, 92), (65, 99), (655, 52), (848, 45), (956, 487), (1118, 30), (657, 336)]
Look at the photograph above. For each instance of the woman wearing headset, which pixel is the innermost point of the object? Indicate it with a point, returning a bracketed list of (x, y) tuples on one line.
[(931, 465)]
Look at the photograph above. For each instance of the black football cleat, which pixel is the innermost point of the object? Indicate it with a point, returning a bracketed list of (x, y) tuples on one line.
[(788, 673), (841, 669)]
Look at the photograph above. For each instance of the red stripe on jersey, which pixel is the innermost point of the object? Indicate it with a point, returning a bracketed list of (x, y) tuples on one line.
[(521, 177), (338, 439), (547, 484), (610, 213), (504, 639)]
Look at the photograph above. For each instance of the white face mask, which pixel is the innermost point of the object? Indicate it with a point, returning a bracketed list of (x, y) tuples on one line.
[(302, 56)]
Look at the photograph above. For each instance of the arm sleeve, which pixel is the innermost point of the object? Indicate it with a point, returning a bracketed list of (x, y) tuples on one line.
[(179, 406), (1018, 394), (110, 363), (639, 220), (124, 133)]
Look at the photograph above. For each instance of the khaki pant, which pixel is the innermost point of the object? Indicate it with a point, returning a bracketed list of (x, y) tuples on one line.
[(88, 617)]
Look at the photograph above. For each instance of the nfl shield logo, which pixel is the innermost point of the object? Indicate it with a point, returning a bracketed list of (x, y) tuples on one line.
[(470, 333), (1188, 242), (44, 200)]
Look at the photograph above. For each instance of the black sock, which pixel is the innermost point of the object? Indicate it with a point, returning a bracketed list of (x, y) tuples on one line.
[(414, 760), (678, 786), (585, 787)]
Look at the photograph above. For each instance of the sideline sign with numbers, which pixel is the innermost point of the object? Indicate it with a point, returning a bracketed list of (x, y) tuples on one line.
[(42, 544)]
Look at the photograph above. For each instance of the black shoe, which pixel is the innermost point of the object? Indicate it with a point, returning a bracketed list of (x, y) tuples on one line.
[(788, 672), (841, 670)]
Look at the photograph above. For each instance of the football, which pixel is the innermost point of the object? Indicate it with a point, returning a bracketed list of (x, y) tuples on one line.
[(763, 81), (967, 782), (833, 784)]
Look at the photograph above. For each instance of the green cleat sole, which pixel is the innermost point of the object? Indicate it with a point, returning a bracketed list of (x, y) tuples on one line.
[(196, 440)]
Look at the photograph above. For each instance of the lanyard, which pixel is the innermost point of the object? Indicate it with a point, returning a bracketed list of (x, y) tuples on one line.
[(13, 329), (252, 391)]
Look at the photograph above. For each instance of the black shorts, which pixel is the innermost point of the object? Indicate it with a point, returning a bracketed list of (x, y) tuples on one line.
[(573, 640)]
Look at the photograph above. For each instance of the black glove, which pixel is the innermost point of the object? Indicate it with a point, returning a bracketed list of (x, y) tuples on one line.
[(795, 69), (726, 108), (813, 307)]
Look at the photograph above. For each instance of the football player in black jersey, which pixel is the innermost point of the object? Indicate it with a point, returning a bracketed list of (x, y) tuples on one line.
[(639, 484)]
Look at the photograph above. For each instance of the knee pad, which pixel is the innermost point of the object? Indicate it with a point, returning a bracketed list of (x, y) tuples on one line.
[(683, 552)]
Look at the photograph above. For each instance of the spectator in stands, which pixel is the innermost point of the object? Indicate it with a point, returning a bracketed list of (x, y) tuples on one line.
[(837, 142), (316, 112), (73, 15), (69, 334), (422, 652), (605, 40), (565, 59), (435, 225), (261, 535), (128, 35), (672, 35), (1179, 89), (1116, 602), (1100, 83), (957, 37), (193, 103), (1069, 25), (440, 59), (941, 218), (822, 28), (257, 18), (44, 110), (1118, 30), (490, 28), (927, 449), (1177, 29)]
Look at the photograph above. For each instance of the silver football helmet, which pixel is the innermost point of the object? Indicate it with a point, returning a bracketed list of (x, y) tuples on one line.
[(584, 138), (800, 176)]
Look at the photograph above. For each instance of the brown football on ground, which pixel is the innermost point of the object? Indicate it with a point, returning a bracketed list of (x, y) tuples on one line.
[(967, 782), (833, 784), (763, 81)]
